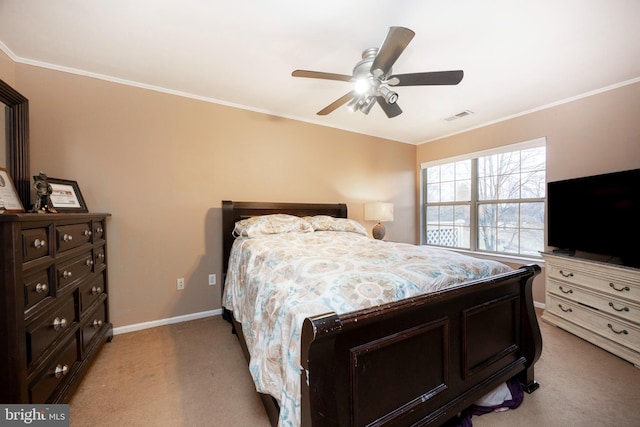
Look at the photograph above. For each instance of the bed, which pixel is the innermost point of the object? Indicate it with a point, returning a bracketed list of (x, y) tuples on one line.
[(417, 358)]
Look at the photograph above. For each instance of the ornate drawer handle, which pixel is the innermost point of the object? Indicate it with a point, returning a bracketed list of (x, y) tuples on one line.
[(97, 324), (89, 262), (96, 290), (61, 371), (66, 274), (570, 291), (41, 287), (626, 288), (566, 274), (618, 309), (623, 332), (67, 237), (59, 323), (38, 243), (87, 233), (568, 310)]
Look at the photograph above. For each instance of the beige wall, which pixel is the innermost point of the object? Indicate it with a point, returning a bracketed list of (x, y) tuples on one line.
[(161, 164), (7, 69), (589, 136)]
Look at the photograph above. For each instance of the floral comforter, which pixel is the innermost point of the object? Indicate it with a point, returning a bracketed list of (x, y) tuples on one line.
[(275, 281)]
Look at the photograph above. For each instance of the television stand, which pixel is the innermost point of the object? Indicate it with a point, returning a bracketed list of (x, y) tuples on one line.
[(597, 301)]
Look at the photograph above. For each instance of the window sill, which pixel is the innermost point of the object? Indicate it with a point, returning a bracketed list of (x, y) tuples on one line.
[(511, 259)]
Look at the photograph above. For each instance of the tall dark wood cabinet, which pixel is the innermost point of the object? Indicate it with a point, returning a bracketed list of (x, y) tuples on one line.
[(54, 311)]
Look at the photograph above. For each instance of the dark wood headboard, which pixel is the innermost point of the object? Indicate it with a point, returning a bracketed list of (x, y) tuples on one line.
[(233, 212)]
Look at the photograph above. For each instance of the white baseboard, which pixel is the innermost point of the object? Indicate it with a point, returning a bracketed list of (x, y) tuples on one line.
[(164, 322), (539, 305)]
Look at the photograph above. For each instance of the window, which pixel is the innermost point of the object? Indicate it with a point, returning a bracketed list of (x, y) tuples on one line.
[(492, 201)]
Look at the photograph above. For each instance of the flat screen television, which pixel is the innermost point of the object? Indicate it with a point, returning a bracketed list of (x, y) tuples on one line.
[(598, 215)]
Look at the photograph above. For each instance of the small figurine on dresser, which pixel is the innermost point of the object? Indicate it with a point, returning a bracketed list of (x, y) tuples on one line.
[(43, 195)]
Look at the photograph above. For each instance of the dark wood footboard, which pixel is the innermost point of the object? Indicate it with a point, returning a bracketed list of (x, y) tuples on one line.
[(420, 360)]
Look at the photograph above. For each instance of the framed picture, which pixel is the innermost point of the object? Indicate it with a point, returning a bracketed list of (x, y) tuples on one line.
[(9, 199), (66, 196)]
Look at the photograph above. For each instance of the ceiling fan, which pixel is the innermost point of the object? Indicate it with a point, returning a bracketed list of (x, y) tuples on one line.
[(372, 76)]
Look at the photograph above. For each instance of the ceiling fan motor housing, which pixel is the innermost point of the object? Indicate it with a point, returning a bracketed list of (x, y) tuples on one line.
[(368, 82)]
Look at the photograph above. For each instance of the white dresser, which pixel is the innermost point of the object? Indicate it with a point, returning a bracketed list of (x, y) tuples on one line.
[(596, 301)]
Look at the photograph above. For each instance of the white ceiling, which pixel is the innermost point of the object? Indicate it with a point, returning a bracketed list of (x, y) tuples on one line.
[(517, 55)]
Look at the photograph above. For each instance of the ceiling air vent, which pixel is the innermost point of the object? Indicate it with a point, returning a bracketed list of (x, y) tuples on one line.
[(465, 113)]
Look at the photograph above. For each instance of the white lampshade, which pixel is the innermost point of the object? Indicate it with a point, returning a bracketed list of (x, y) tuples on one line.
[(378, 211)]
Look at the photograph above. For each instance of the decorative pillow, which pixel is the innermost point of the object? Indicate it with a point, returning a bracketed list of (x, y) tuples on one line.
[(271, 224), (329, 223)]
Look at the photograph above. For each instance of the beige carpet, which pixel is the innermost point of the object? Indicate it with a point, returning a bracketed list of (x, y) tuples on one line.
[(194, 374)]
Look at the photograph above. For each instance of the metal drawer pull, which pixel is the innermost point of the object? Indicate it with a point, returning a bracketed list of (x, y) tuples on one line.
[(618, 309), (41, 287), (89, 262), (39, 243), (101, 256), (623, 332), (66, 274), (67, 237), (626, 288), (61, 370), (97, 323), (566, 274), (570, 291), (59, 323), (96, 290), (568, 310), (99, 230), (87, 233)]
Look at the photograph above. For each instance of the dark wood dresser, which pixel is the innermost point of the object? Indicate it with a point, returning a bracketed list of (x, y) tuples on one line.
[(54, 312)]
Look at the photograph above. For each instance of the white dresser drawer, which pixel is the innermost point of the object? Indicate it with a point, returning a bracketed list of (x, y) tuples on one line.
[(599, 323), (602, 302), (614, 281)]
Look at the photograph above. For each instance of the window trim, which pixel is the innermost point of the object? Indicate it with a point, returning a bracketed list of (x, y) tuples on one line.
[(534, 143), (518, 146)]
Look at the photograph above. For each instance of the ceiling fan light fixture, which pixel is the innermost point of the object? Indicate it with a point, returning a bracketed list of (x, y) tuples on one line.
[(355, 104), (390, 96), (362, 85), (368, 103)]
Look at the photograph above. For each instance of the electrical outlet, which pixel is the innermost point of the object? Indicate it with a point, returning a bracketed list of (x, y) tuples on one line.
[(212, 279), (180, 284)]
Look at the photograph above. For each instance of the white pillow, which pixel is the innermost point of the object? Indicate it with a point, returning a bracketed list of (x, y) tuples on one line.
[(271, 224), (329, 223)]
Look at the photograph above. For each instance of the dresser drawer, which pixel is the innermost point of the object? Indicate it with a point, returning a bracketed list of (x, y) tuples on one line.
[(602, 302), (611, 281), (597, 322), (37, 287), (44, 330), (35, 243), (98, 230), (96, 319), (74, 269), (72, 236), (99, 257), (55, 373), (91, 291)]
